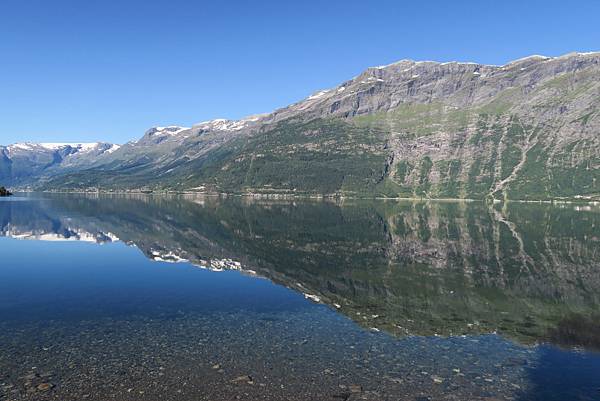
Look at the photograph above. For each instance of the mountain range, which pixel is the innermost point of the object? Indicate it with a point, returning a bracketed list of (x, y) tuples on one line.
[(525, 130)]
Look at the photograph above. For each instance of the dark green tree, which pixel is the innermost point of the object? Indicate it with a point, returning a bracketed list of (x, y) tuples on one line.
[(4, 192)]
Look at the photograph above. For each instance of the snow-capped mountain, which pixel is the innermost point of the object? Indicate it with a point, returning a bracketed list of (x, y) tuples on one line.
[(76, 147), (22, 162)]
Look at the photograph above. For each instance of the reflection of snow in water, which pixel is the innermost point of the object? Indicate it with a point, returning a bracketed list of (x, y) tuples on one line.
[(312, 297), (68, 234), (215, 265)]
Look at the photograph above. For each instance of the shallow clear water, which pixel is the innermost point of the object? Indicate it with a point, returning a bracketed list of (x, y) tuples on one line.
[(159, 298)]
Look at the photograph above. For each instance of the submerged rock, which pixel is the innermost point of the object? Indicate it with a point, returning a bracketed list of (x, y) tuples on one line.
[(243, 379), (45, 386)]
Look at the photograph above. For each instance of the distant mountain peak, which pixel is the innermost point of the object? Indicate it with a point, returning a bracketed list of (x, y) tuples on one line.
[(156, 135), (54, 146)]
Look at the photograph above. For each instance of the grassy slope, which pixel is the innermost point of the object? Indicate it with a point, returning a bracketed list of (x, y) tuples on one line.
[(322, 156), (318, 157)]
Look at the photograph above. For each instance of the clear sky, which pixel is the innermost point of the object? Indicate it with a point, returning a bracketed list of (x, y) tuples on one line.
[(108, 70)]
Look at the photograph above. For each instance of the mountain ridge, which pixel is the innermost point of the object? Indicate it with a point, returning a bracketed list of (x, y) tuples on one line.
[(524, 130)]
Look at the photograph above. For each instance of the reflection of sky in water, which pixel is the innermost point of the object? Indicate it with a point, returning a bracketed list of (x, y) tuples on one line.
[(56, 280), (60, 296)]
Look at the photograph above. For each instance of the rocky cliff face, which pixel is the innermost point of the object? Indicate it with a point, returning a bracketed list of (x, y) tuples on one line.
[(528, 129), (525, 130)]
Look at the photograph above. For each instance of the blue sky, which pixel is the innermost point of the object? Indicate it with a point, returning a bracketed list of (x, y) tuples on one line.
[(108, 70)]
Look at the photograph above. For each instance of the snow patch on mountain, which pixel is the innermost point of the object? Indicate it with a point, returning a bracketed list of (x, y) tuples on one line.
[(170, 130), (223, 124), (113, 148), (318, 95)]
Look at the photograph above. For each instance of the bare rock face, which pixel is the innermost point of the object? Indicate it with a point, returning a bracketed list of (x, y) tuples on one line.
[(525, 130), (455, 84)]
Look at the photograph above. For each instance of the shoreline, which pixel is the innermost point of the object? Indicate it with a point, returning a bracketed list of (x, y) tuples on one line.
[(322, 197)]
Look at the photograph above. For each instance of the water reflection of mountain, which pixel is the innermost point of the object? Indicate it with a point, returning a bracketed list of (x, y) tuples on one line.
[(529, 272)]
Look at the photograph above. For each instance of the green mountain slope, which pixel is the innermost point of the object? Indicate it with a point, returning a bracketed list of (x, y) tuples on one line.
[(526, 130)]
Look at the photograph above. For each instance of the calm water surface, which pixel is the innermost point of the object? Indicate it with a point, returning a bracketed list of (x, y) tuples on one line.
[(189, 298)]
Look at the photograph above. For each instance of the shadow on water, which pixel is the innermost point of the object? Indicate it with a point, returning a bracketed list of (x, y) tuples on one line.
[(559, 376), (577, 331)]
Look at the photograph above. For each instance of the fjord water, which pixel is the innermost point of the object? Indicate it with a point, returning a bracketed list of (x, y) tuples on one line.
[(189, 298)]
